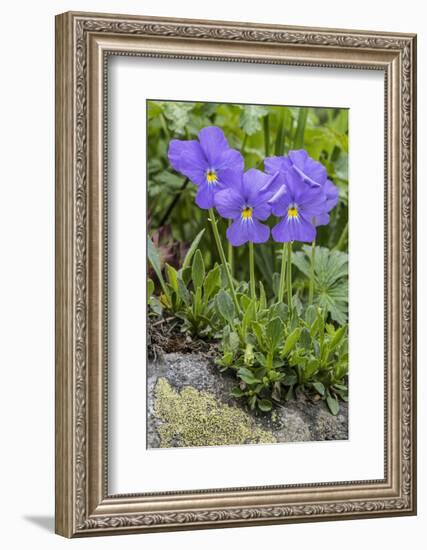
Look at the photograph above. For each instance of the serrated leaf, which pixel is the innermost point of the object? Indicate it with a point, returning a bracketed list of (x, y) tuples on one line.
[(330, 277), (178, 114), (251, 118)]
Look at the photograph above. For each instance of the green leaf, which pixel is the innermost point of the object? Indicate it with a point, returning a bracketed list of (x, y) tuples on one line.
[(332, 404), (259, 333), (265, 405), (249, 316), (330, 279), (262, 297), (274, 331), (185, 274), (290, 380), (197, 302), (198, 270), (237, 392), (212, 282), (280, 310), (192, 250), (310, 369), (305, 339), (319, 387), (150, 288), (290, 395), (233, 341), (172, 276), (183, 292), (153, 258), (225, 306), (276, 284), (251, 118), (178, 114), (249, 355), (337, 338), (291, 341), (310, 315), (247, 376)]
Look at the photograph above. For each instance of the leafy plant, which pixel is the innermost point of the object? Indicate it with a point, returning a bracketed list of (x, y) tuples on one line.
[(275, 354), (330, 279), (189, 292)]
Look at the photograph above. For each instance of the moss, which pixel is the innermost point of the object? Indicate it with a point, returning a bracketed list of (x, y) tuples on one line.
[(192, 418)]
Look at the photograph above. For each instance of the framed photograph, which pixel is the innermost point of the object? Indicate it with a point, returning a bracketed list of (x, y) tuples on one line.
[(235, 274)]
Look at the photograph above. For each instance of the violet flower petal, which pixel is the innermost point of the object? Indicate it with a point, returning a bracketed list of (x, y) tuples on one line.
[(243, 230), (188, 158), (294, 229), (229, 203), (213, 142)]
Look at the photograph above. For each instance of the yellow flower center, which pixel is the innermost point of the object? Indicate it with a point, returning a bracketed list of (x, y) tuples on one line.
[(293, 212), (247, 213), (211, 176)]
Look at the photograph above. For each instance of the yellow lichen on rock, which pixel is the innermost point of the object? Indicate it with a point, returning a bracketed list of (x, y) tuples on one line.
[(192, 418)]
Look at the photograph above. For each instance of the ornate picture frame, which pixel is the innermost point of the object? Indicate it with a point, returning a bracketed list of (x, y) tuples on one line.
[(84, 42)]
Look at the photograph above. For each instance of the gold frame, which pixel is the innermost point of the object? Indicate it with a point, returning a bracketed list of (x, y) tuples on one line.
[(83, 43)]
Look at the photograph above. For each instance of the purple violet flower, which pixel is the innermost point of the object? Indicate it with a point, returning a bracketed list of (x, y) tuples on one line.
[(298, 204), (311, 172), (209, 163), (247, 205), (331, 193)]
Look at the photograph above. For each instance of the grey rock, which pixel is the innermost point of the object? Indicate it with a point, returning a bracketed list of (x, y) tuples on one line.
[(298, 420)]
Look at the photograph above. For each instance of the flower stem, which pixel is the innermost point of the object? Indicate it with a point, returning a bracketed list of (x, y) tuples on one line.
[(267, 135), (230, 253), (223, 259), (245, 139), (282, 275), (343, 238), (311, 287), (252, 270), (290, 277)]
